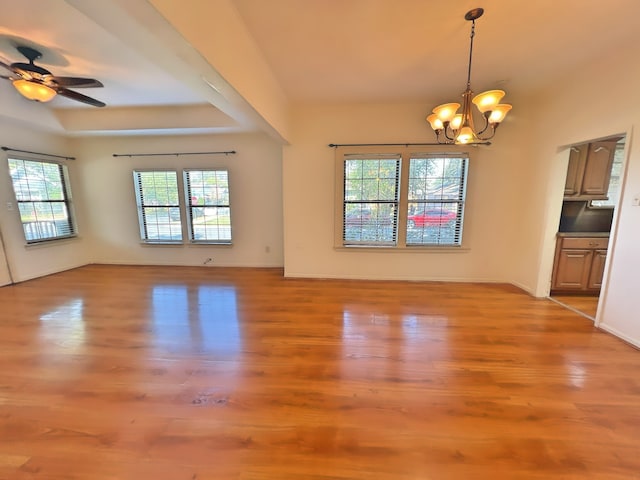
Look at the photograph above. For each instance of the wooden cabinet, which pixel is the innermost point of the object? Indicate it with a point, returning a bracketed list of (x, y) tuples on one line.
[(579, 264), (589, 170), (575, 171), (597, 269)]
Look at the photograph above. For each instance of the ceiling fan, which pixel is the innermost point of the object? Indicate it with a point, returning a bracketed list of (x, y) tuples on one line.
[(39, 84)]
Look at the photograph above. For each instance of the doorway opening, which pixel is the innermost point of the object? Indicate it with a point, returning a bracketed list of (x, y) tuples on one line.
[(592, 190)]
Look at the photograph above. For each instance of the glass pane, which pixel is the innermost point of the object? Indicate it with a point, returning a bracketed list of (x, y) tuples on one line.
[(213, 225), (159, 188), (162, 224), (433, 224)]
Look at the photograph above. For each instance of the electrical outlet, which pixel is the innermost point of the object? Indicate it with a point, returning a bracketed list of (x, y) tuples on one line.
[(636, 201)]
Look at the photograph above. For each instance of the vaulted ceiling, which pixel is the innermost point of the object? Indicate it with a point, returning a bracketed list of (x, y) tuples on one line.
[(235, 65)]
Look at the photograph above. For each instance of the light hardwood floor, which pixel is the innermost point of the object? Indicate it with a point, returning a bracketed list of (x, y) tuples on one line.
[(115, 372), (583, 303)]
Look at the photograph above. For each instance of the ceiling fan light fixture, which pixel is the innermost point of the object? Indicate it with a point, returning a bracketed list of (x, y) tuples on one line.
[(34, 91)]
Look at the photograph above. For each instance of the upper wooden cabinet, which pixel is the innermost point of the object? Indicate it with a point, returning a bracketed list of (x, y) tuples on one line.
[(589, 170)]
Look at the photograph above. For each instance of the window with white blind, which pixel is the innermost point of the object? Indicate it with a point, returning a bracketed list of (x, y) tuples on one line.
[(158, 202), (370, 210), (208, 209), (435, 203), (402, 198), (43, 198)]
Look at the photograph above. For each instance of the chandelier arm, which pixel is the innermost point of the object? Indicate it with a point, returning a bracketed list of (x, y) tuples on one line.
[(486, 116), (447, 128), (493, 132)]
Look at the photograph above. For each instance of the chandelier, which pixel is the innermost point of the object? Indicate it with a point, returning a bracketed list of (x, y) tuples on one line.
[(458, 128)]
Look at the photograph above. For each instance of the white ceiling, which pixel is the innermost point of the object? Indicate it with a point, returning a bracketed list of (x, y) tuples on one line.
[(390, 50), (318, 50)]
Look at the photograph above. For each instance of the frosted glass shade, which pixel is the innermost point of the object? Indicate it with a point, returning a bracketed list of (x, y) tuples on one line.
[(456, 122), (466, 135), (499, 112), (486, 101), (435, 122), (34, 91), (447, 111)]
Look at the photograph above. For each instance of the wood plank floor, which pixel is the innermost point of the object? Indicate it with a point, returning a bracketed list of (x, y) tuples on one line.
[(115, 372), (583, 303)]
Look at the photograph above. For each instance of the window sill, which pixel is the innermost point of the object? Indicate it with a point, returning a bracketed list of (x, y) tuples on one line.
[(51, 242), (429, 249), (162, 244), (210, 244)]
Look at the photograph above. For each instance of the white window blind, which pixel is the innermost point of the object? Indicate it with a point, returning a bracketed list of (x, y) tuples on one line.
[(43, 198), (208, 209), (158, 202), (370, 210)]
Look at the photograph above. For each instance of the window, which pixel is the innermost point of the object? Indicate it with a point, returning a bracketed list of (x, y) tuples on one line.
[(435, 200), (158, 206), (208, 211), (401, 199), (43, 198), (370, 199)]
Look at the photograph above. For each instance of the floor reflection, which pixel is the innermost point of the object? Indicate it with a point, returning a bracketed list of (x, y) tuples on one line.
[(202, 319), (64, 326), (395, 343)]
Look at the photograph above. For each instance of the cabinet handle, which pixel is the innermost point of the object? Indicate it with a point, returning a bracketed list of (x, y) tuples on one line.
[(598, 149), (569, 255)]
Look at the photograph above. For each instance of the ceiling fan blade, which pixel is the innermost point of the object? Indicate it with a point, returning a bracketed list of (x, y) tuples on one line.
[(5, 65), (76, 82), (79, 97)]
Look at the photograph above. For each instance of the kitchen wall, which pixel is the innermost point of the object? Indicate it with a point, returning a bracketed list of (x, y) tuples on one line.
[(576, 109)]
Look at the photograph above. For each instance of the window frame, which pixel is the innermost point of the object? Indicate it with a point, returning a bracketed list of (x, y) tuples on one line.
[(184, 207), (405, 153), (67, 201), (190, 207), (142, 224)]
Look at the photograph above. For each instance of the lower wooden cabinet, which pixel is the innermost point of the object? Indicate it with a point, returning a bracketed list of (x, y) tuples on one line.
[(579, 264)]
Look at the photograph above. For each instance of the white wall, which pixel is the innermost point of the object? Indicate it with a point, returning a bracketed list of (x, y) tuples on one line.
[(600, 100), (255, 176), (491, 215), (36, 260)]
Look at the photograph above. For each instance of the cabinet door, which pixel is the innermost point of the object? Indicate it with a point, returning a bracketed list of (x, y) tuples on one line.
[(597, 170), (597, 269), (575, 171), (573, 269)]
